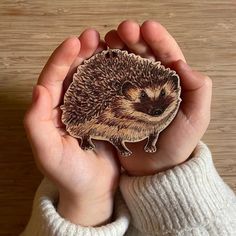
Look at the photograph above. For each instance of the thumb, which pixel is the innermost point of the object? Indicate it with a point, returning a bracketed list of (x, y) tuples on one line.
[(196, 92), (39, 126)]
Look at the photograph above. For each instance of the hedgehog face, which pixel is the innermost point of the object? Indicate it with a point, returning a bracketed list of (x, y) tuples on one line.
[(154, 102)]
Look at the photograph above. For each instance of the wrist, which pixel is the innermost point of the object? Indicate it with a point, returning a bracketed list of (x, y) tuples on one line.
[(156, 163), (86, 212)]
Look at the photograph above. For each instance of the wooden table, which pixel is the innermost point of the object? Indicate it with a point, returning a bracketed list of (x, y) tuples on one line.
[(30, 30)]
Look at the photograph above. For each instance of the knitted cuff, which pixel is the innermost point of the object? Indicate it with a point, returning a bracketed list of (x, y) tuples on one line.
[(46, 221), (189, 198)]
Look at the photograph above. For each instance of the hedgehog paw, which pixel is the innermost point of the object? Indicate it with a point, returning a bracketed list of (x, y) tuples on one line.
[(87, 147), (125, 153), (150, 149), (87, 144)]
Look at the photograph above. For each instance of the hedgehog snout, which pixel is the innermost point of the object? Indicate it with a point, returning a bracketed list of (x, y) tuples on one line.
[(156, 111)]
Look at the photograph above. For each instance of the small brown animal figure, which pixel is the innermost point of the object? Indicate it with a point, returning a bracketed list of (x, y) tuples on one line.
[(120, 97)]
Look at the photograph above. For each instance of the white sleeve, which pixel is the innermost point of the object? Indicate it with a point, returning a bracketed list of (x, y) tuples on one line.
[(45, 221), (190, 199)]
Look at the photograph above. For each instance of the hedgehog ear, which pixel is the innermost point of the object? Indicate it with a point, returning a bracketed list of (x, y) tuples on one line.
[(127, 90), (175, 81)]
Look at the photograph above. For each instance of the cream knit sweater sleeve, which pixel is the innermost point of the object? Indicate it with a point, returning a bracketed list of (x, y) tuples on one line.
[(190, 199)]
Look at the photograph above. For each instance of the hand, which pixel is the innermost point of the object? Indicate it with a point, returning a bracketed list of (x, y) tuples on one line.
[(86, 180), (178, 140)]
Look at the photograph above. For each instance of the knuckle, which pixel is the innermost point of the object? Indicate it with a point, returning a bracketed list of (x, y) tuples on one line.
[(208, 81)]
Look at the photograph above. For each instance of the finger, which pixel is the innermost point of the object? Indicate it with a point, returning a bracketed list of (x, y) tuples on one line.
[(41, 132), (113, 40), (196, 92), (90, 42), (129, 32), (57, 67), (161, 42)]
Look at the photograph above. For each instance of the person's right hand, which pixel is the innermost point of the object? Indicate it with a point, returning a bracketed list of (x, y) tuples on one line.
[(178, 140), (86, 180)]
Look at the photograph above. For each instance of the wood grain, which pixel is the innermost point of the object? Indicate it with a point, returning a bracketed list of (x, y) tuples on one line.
[(30, 30)]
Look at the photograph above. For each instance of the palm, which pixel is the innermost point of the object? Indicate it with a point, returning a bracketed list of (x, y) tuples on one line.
[(77, 169)]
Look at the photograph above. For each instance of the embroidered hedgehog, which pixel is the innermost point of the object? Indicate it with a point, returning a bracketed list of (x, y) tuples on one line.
[(120, 97)]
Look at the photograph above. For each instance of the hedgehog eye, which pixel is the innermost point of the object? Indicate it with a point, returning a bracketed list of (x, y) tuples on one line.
[(143, 94), (163, 93)]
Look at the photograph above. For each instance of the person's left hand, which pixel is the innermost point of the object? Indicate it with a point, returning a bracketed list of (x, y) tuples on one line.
[(86, 180)]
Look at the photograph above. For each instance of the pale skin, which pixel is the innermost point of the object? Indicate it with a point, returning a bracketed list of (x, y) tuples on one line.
[(87, 180)]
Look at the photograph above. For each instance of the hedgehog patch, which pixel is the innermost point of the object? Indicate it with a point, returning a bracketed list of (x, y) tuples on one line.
[(120, 97)]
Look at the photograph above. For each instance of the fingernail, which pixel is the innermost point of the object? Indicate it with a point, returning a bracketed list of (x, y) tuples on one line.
[(35, 93)]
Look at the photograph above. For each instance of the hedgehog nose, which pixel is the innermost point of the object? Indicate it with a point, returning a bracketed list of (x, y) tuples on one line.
[(156, 112)]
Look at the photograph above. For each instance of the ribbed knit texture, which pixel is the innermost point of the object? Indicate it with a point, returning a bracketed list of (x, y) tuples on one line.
[(45, 221), (190, 199)]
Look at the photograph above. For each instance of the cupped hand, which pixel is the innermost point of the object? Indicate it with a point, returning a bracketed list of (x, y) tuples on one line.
[(179, 139), (86, 180)]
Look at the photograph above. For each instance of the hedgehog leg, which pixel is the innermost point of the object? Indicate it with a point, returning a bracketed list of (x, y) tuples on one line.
[(151, 143), (87, 143), (120, 146)]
